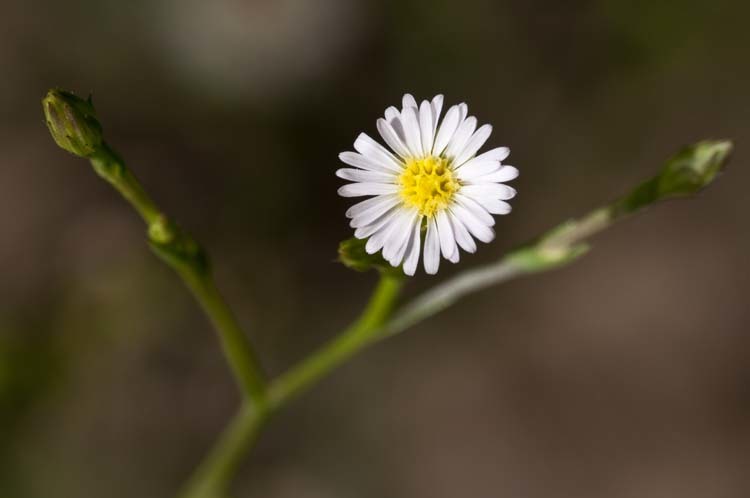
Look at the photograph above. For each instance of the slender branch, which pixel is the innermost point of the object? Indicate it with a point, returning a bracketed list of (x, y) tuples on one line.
[(180, 251), (685, 174), (212, 477), (74, 126), (355, 338), (235, 344)]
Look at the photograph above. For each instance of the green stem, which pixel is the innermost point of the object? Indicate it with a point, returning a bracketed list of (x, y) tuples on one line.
[(108, 165), (73, 125), (180, 251), (558, 247), (236, 347), (214, 474), (212, 477), (358, 336), (683, 175)]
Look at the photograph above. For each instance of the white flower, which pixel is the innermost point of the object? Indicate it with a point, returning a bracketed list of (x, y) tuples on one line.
[(433, 179)]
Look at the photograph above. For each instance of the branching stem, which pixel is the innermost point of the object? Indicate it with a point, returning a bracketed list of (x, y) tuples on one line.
[(74, 126)]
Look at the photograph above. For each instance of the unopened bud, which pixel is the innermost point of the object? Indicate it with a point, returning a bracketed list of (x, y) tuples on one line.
[(693, 168), (72, 122), (686, 173)]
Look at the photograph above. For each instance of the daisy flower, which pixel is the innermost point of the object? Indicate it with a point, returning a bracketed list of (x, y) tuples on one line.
[(430, 181)]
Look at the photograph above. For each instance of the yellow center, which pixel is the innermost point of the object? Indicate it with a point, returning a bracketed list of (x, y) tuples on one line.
[(428, 184)]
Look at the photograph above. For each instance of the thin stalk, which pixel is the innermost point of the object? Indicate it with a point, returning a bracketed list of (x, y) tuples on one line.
[(214, 474), (355, 338), (181, 252), (236, 347), (74, 127)]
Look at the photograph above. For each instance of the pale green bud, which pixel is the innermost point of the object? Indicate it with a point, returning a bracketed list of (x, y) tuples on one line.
[(72, 123), (686, 173), (693, 168)]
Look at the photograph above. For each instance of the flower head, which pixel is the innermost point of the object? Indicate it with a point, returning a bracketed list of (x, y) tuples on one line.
[(431, 180)]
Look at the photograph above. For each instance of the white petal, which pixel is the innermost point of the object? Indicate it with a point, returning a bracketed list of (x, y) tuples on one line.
[(359, 175), (412, 250), (382, 204), (476, 209), (474, 225), (382, 237), (377, 239), (455, 257), (397, 233), (408, 101), (425, 127), (380, 224), (463, 110), (504, 174), (376, 152), (408, 233), (494, 190), (371, 222), (496, 154), (447, 239), (363, 206), (463, 238), (462, 135), (494, 206), (474, 144), (359, 161), (391, 113), (431, 249), (366, 188), (411, 130), (398, 127), (447, 129), (437, 107), (392, 138), (474, 168)]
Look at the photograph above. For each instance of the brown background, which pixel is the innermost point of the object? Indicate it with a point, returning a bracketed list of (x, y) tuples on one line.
[(624, 375)]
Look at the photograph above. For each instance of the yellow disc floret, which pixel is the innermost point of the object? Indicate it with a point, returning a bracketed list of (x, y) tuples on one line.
[(428, 184)]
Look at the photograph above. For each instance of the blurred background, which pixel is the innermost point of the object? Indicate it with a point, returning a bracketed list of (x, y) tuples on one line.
[(624, 375)]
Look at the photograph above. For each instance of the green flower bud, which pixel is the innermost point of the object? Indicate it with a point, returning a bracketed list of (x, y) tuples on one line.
[(72, 122), (693, 168), (686, 173)]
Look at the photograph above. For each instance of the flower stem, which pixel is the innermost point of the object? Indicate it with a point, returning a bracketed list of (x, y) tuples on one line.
[(235, 344), (683, 175), (180, 251), (212, 477), (358, 336), (73, 125)]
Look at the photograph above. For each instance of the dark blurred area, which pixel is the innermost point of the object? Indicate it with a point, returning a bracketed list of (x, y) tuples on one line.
[(624, 375)]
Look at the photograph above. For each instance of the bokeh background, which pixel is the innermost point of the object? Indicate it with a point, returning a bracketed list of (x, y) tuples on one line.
[(624, 375)]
